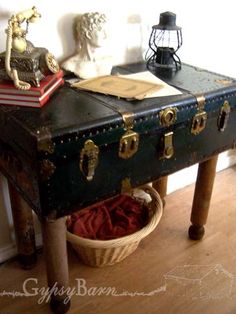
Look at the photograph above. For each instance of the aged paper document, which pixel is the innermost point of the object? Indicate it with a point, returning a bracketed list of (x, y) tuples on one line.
[(133, 86), (166, 90)]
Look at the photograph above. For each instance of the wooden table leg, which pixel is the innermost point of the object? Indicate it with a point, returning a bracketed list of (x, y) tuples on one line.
[(55, 250), (24, 229), (160, 186), (202, 197)]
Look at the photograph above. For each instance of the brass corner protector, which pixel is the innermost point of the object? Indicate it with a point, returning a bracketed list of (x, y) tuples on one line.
[(47, 168), (44, 138)]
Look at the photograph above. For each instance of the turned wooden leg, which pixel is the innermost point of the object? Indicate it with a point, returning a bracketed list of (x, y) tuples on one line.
[(160, 186), (24, 229), (54, 243), (202, 197)]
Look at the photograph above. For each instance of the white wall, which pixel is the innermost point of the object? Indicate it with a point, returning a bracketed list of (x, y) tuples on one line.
[(209, 42), (208, 27)]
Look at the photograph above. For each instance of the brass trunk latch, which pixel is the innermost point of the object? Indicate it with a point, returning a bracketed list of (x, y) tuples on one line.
[(199, 122), (168, 149), (200, 118), (89, 159), (129, 142), (223, 116)]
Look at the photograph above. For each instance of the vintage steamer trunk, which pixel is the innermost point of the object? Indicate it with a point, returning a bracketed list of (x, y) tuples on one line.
[(83, 147)]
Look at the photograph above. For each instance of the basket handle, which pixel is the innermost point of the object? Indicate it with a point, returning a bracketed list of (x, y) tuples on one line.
[(156, 199)]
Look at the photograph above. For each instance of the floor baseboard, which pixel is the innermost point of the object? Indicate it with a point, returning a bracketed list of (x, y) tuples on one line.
[(9, 251), (187, 176)]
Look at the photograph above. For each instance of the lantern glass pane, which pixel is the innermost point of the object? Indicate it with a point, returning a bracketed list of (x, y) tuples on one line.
[(165, 38)]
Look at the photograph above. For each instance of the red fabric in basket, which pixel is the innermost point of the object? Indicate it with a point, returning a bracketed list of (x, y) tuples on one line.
[(111, 219)]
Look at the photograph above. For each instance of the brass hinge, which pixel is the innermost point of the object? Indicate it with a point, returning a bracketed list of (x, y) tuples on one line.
[(128, 119), (201, 101), (89, 159), (129, 142)]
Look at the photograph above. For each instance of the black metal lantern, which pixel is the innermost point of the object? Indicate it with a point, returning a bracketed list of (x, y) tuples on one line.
[(164, 41)]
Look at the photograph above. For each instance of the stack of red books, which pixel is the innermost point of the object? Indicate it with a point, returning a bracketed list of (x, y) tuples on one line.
[(35, 96)]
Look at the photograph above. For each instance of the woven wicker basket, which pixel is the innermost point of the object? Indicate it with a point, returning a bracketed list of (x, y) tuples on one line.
[(98, 253)]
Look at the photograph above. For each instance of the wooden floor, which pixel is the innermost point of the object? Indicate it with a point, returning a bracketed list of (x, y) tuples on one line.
[(180, 275)]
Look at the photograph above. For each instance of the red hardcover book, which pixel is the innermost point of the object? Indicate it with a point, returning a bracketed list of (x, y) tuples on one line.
[(31, 100), (7, 87)]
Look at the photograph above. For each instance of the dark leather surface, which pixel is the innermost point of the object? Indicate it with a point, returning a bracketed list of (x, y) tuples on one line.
[(190, 78), (72, 110)]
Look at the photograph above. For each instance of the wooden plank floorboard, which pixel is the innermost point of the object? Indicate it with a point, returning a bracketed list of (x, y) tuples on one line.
[(184, 276)]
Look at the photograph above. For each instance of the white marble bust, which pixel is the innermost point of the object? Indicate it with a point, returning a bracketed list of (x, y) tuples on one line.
[(91, 59)]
